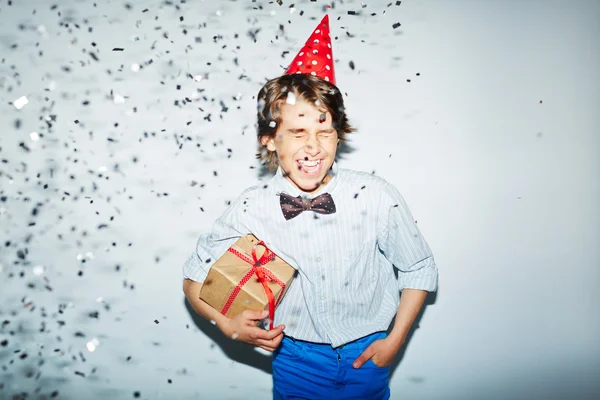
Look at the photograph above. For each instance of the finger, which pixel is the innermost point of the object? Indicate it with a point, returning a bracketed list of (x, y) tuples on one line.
[(270, 335), (276, 331), (267, 344), (271, 342), (363, 358), (278, 339), (269, 349), (256, 334)]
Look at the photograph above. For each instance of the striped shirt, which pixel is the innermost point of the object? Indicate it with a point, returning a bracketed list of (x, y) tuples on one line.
[(346, 286)]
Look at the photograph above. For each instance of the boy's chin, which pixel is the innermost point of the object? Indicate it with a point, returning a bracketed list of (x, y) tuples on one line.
[(308, 184)]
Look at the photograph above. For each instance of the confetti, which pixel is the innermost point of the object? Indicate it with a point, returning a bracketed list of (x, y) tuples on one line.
[(291, 99), (42, 31), (34, 136), (20, 102), (38, 270), (92, 345), (118, 99)]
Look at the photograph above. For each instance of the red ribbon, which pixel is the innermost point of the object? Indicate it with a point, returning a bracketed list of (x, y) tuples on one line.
[(263, 275)]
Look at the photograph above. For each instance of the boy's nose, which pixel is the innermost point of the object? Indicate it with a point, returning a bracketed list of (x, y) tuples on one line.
[(312, 149), (312, 146)]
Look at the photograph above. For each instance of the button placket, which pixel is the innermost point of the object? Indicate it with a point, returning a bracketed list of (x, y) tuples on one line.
[(320, 269)]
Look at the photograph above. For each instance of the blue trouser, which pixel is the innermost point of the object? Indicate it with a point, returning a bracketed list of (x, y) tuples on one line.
[(311, 371)]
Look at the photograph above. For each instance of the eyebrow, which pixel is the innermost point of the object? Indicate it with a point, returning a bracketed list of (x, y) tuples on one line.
[(301, 130)]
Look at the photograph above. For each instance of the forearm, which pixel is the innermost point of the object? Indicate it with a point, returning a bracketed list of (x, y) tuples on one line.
[(192, 293), (411, 302)]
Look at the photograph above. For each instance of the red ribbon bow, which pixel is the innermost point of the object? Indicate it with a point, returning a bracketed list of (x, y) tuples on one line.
[(263, 275)]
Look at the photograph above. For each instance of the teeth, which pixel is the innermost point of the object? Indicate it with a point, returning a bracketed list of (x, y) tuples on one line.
[(310, 163)]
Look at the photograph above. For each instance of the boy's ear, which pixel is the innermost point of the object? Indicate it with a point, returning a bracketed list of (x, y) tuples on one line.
[(269, 142)]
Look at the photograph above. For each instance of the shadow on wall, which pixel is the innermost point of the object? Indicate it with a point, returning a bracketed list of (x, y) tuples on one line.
[(236, 351), (245, 354), (431, 298)]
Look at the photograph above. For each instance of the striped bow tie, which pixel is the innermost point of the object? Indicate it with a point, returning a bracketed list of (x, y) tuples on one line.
[(292, 206)]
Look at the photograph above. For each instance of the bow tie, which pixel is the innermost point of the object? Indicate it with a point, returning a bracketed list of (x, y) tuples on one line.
[(292, 206)]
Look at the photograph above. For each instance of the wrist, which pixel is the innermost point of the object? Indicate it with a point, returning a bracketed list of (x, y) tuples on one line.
[(396, 339), (225, 326)]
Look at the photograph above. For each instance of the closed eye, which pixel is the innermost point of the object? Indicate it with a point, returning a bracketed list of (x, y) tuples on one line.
[(301, 133), (296, 133)]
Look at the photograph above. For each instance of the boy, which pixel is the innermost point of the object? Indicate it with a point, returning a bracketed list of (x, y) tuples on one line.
[(344, 231)]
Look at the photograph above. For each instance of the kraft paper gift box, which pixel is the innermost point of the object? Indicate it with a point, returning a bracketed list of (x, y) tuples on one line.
[(248, 276)]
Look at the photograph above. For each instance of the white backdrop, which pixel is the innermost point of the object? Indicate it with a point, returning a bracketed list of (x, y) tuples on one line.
[(139, 127)]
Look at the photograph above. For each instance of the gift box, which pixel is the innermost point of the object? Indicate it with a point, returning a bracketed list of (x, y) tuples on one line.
[(248, 276)]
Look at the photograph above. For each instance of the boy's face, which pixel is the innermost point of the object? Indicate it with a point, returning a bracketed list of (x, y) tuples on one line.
[(305, 143)]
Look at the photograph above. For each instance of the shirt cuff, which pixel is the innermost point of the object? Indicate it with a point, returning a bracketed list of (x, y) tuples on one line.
[(423, 276), (193, 268)]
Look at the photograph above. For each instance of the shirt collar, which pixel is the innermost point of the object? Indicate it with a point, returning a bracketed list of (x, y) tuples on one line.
[(283, 185)]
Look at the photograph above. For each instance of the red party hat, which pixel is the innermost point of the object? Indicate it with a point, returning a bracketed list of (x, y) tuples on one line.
[(315, 57)]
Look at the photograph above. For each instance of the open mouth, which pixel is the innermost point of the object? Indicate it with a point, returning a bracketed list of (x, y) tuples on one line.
[(309, 167)]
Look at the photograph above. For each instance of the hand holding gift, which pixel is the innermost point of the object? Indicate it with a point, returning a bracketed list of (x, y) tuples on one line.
[(243, 284), (243, 327)]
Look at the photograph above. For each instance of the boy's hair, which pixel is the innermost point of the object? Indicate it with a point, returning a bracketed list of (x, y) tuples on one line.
[(306, 87)]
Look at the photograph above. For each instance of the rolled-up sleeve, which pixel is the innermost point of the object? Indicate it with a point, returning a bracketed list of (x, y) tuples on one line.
[(228, 228), (401, 242)]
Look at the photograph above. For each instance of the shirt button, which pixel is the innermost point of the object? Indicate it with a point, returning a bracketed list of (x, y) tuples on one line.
[(318, 259), (322, 297)]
